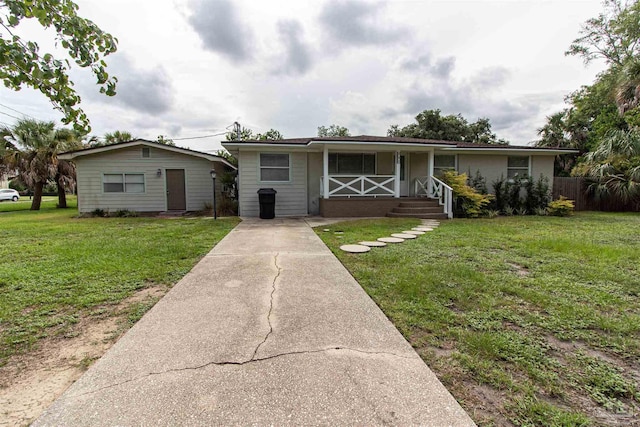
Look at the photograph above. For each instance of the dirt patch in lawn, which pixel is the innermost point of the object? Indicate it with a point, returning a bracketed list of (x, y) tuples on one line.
[(30, 382)]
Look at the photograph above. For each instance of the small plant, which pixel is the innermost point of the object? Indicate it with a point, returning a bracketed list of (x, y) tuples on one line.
[(126, 213), (100, 213), (467, 200), (561, 207), (478, 182), (521, 211), (492, 213), (499, 189), (508, 210), (541, 211)]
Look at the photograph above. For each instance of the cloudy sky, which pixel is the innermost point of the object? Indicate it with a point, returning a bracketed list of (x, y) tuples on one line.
[(190, 68)]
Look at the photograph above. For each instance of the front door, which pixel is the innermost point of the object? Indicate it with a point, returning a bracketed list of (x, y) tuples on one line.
[(176, 198), (404, 173)]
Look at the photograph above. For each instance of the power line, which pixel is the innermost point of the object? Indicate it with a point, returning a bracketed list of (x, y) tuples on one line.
[(199, 137), (7, 114), (19, 112)]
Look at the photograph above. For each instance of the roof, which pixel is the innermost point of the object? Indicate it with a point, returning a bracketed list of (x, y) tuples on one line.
[(395, 140), (70, 155)]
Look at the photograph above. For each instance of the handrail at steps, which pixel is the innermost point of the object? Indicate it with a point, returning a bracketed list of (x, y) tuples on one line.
[(444, 194)]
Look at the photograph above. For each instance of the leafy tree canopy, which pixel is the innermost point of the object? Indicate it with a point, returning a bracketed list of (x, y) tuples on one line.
[(333, 130), (430, 124), (21, 62), (162, 139), (247, 134)]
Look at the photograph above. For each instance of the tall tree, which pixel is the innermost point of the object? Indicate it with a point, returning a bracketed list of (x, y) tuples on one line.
[(246, 134), (333, 130), (31, 148), (117, 136), (430, 124), (614, 35), (21, 62)]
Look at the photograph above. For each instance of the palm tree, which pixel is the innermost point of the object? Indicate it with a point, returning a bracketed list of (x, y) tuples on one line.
[(31, 148), (117, 136), (613, 169), (627, 91)]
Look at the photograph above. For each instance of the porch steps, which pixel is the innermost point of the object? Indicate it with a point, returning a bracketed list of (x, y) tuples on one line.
[(428, 209)]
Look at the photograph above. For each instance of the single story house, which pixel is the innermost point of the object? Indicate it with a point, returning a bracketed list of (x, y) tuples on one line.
[(370, 175), (145, 176)]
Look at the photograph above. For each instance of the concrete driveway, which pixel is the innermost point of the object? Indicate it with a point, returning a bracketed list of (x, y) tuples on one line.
[(268, 329)]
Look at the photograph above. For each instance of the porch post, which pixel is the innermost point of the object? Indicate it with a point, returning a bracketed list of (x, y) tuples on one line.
[(396, 183), (325, 172), (430, 167)]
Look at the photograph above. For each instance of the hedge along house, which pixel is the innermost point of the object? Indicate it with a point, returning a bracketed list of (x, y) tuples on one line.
[(145, 176), (372, 176)]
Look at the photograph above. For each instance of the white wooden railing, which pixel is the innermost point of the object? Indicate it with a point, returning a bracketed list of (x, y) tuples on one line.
[(359, 185), (432, 187)]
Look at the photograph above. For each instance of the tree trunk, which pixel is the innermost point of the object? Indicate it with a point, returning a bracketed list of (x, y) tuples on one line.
[(37, 196), (62, 196)]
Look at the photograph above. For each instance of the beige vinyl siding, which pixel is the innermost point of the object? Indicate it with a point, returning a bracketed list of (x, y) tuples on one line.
[(419, 168), (291, 199), (90, 169)]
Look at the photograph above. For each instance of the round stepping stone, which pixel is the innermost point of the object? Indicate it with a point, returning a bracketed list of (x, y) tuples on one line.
[(326, 229), (374, 244), (416, 232), (355, 249), (404, 236), (390, 240), (423, 229)]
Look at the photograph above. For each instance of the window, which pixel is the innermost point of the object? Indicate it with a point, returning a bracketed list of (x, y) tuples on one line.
[(274, 167), (352, 163), (145, 152), (517, 165), (123, 183), (443, 162)]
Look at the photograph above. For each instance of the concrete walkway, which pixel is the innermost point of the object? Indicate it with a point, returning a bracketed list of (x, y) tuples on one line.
[(268, 329)]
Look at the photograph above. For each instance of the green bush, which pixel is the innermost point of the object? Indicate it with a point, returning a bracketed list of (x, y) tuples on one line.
[(467, 200), (561, 207)]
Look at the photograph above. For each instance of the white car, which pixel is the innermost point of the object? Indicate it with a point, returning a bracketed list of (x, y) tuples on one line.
[(7, 194)]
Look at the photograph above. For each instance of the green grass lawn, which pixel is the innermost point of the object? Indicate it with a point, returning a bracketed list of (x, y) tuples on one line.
[(57, 269), (24, 204), (527, 320)]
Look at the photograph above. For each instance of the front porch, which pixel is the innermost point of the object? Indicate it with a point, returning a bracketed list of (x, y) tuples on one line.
[(411, 207)]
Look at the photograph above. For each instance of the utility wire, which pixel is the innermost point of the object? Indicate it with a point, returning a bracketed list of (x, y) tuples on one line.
[(7, 114), (19, 112), (199, 137)]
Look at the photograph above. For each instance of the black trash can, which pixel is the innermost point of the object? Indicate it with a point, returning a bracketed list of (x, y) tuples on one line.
[(267, 199)]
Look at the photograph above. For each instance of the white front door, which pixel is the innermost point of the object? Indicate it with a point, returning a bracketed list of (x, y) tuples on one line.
[(404, 175)]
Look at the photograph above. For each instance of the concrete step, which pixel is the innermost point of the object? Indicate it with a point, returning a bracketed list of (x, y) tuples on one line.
[(422, 209), (417, 215)]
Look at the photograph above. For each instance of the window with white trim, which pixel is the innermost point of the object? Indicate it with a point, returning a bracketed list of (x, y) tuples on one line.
[(443, 162), (123, 182), (352, 163), (274, 167), (517, 166)]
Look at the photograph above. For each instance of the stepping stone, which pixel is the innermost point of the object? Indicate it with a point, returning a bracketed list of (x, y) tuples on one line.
[(404, 236), (355, 249), (326, 229), (422, 228), (374, 244), (415, 232), (390, 240)]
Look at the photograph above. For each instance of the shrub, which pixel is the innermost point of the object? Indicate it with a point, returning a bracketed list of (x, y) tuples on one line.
[(541, 211), (126, 213), (467, 200), (478, 182), (561, 207), (508, 210), (499, 189), (492, 213), (100, 213)]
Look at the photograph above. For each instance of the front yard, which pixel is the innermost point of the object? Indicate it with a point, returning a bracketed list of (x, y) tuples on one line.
[(527, 320), (71, 286)]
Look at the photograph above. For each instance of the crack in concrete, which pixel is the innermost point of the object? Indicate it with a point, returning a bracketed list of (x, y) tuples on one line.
[(242, 363), (273, 291)]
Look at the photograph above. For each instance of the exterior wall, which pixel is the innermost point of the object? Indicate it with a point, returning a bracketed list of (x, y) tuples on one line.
[(385, 164), (314, 174), (491, 167), (90, 169), (291, 199), (418, 168), (542, 165)]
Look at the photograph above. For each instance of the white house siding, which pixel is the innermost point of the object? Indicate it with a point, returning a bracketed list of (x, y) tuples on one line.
[(543, 165), (91, 168), (491, 167), (291, 197), (314, 173)]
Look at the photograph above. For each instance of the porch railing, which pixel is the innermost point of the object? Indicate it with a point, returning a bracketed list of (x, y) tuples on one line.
[(432, 187), (359, 185)]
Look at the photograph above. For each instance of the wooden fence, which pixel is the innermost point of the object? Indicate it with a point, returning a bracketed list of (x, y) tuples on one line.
[(574, 188)]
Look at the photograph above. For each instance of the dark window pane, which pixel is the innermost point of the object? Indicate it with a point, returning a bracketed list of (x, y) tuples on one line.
[(274, 174), (333, 163), (519, 162), (277, 160), (369, 164), (113, 187)]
